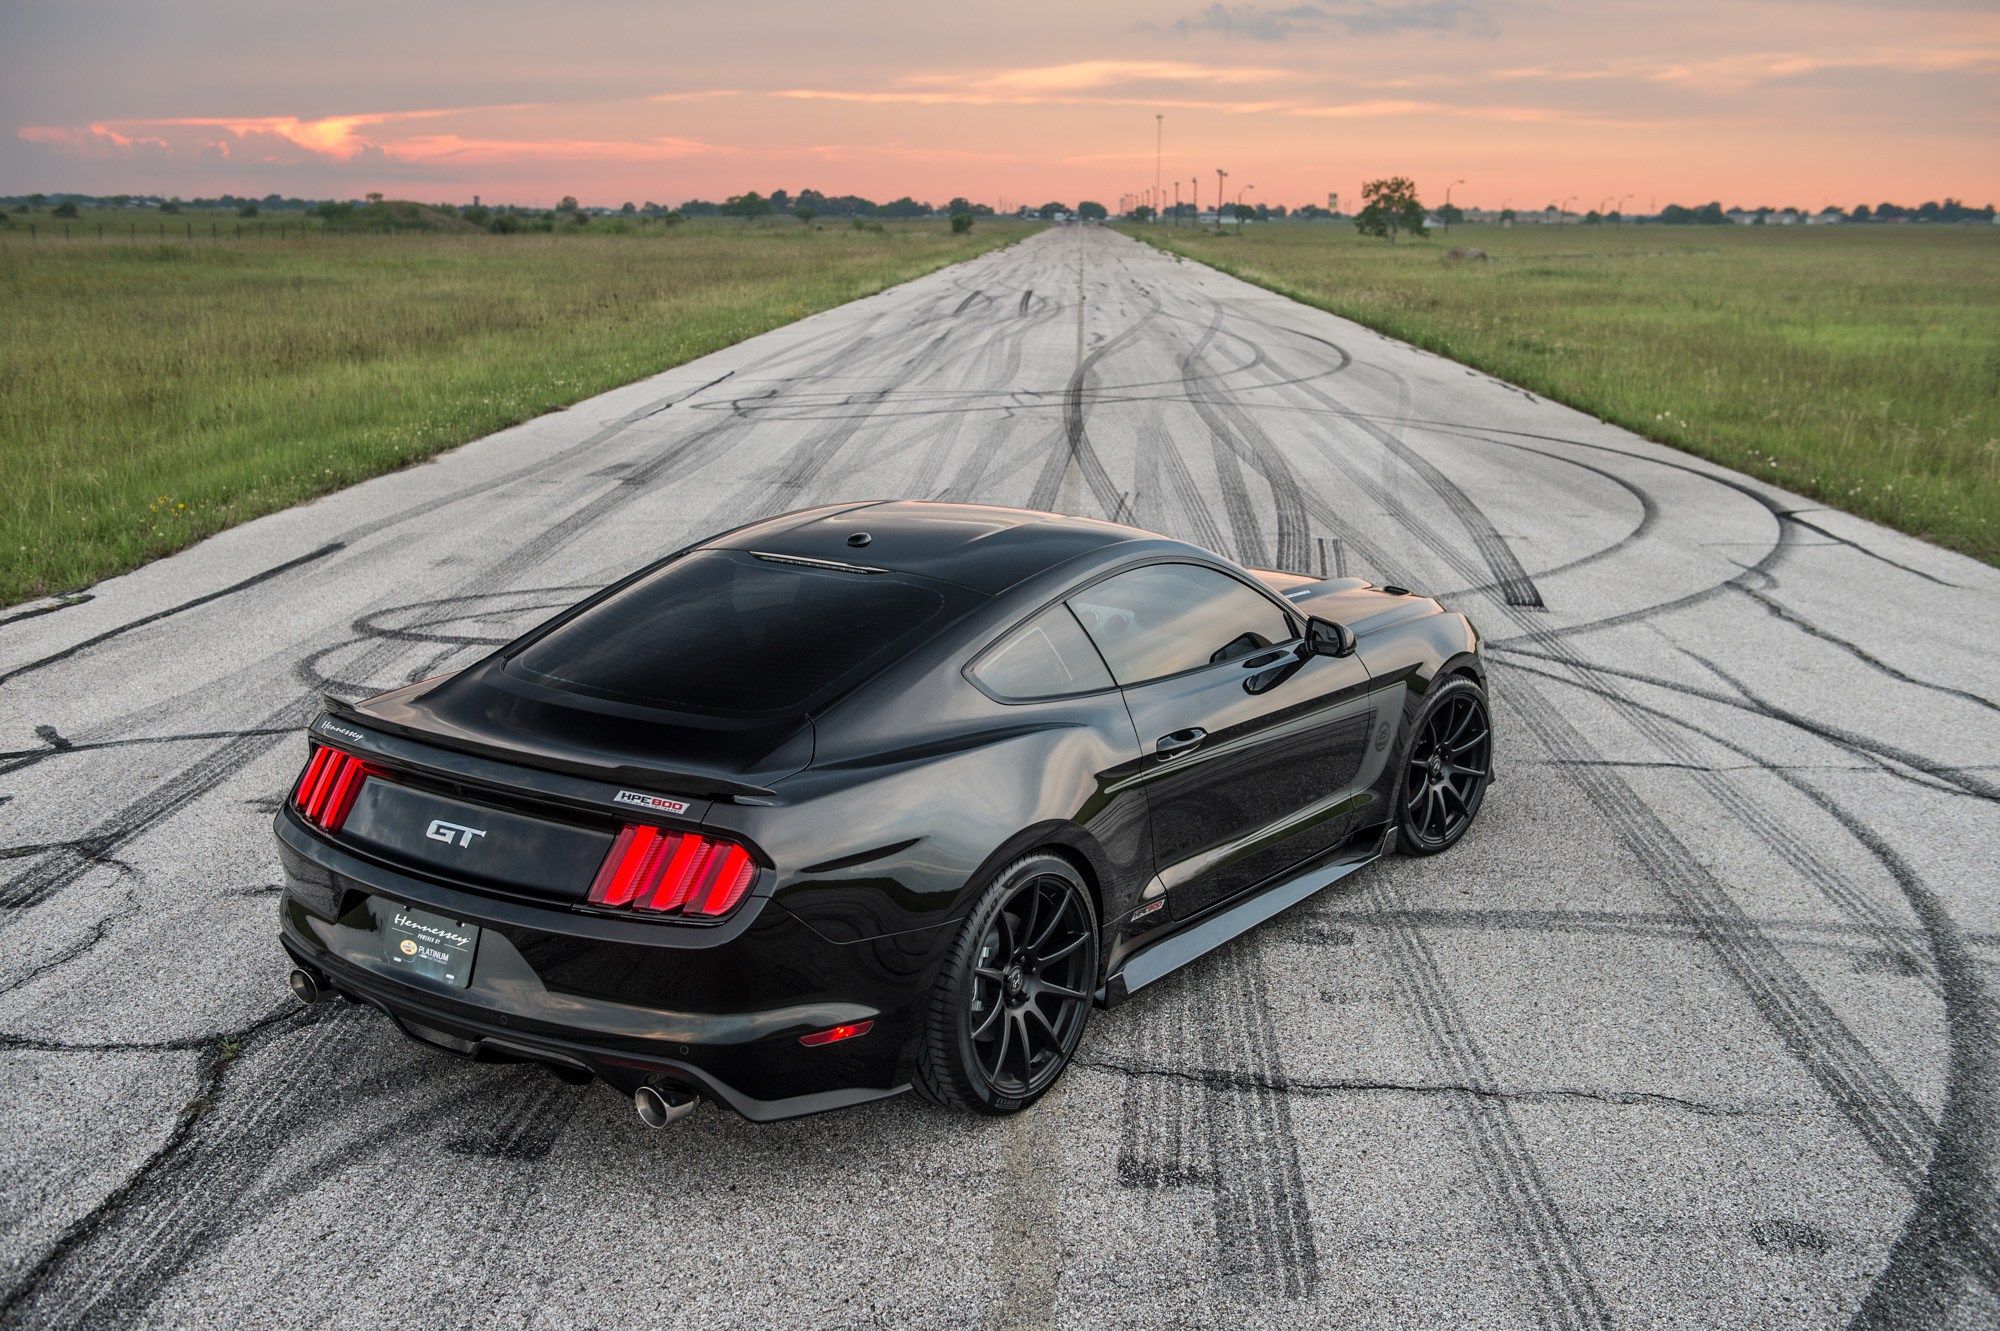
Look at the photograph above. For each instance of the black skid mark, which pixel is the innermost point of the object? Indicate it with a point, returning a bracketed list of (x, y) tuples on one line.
[(1074, 450), (1853, 939), (1236, 1080), (1894, 1125), (519, 1123), (276, 570), (1263, 1212), (99, 931), (1948, 1252), (56, 603), (20, 758), (1859, 653), (1858, 548), (1517, 587), (1888, 757), (1666, 732), (1514, 1184), (1230, 1133), (20, 1302), (54, 873), (1235, 438), (1649, 512)]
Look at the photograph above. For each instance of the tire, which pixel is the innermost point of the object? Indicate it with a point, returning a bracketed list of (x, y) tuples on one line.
[(1444, 767), (1014, 992)]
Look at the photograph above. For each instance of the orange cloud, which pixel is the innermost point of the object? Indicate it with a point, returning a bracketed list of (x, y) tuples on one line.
[(1755, 68), (1084, 75), (343, 138)]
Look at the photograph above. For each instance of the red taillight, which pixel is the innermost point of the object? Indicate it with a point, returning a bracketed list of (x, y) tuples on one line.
[(655, 870), (835, 1034), (328, 787)]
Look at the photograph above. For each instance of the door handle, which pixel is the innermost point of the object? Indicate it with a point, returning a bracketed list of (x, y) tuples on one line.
[(1180, 742)]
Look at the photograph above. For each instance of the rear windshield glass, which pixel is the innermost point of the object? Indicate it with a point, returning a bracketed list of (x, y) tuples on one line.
[(729, 631)]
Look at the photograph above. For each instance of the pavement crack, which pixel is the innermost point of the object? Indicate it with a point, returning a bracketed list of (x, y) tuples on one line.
[(222, 1050)]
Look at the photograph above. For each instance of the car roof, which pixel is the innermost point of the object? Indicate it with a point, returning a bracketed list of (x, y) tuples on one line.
[(981, 546)]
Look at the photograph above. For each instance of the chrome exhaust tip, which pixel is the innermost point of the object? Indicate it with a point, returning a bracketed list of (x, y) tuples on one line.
[(305, 986), (659, 1106)]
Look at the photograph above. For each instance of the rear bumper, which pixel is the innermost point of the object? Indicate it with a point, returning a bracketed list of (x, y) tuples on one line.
[(717, 1010)]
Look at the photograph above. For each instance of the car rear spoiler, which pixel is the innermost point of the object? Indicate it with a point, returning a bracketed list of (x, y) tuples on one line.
[(701, 784)]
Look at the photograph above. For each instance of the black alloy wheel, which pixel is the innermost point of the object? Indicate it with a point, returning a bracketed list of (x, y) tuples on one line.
[(1446, 768), (1015, 991)]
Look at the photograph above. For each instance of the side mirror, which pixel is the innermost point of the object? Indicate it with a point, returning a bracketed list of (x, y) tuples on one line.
[(1326, 638)]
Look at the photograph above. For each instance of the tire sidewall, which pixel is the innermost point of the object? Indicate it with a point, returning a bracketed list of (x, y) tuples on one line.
[(982, 1093), (1439, 693)]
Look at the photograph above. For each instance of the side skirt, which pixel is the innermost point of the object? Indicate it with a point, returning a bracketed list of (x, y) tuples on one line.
[(1199, 939)]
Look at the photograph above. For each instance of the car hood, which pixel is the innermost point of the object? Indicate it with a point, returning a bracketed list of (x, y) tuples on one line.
[(484, 711), (1355, 602)]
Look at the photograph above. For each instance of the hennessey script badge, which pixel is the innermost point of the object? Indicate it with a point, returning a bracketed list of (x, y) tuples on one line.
[(640, 799)]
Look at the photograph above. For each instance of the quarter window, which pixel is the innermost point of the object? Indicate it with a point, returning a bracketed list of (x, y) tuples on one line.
[(1044, 658), (1165, 618)]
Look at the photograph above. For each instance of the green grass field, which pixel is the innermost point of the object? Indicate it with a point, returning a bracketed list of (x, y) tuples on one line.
[(152, 394), (1857, 365)]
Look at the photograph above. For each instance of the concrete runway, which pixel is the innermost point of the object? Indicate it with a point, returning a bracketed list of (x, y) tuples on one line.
[(1697, 1028)]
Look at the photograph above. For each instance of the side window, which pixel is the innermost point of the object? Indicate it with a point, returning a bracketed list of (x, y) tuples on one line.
[(1166, 618), (1044, 658)]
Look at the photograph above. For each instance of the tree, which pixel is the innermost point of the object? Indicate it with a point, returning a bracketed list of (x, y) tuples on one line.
[(376, 198), (752, 204), (1243, 212), (247, 210), (1092, 211), (65, 210), (1592, 218), (805, 212), (629, 208), (958, 205), (35, 202), (961, 223), (1391, 206), (1142, 213), (1451, 214), (1048, 211), (1506, 214)]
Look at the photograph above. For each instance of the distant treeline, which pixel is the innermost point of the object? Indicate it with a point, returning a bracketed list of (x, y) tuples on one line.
[(376, 213), (1951, 210), (752, 204)]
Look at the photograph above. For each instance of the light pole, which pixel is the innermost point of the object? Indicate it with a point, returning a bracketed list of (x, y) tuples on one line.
[(1447, 204), (1159, 139), (1602, 209), (1563, 215), (1220, 176), (1621, 208), (1177, 203), (1239, 206)]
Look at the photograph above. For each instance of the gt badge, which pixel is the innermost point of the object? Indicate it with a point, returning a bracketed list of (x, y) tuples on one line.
[(451, 833), (656, 803)]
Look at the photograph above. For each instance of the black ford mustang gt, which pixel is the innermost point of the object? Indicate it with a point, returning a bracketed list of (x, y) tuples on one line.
[(868, 797)]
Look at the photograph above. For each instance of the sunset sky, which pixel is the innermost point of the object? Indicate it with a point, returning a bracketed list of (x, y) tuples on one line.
[(1785, 102)]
